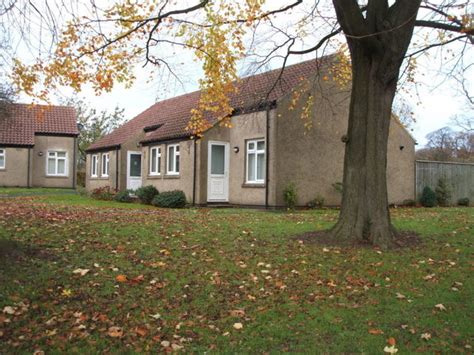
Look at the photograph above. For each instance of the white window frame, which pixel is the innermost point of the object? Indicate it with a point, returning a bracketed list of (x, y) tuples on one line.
[(157, 162), (255, 152), (105, 165), (66, 163), (176, 153), (95, 165), (3, 154)]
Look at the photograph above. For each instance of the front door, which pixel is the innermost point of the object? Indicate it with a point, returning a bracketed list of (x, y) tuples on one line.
[(134, 170), (218, 172)]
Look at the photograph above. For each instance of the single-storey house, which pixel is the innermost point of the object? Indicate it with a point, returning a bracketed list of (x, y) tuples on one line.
[(38, 146), (268, 147)]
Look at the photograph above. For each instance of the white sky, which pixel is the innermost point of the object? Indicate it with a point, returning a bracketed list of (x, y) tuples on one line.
[(432, 107)]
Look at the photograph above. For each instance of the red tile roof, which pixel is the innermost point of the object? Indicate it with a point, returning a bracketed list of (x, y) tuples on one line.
[(171, 116), (23, 121)]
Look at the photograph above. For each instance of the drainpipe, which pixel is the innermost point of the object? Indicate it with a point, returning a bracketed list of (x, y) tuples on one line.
[(74, 164), (117, 168), (267, 157), (194, 173), (28, 168)]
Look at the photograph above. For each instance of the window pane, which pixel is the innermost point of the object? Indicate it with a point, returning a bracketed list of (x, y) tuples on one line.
[(153, 160), (62, 154), (159, 164), (251, 167), (51, 166), (177, 164), (177, 148), (2, 161), (261, 145), (217, 159), (251, 146), (171, 159), (135, 165), (260, 166), (51, 154), (61, 166)]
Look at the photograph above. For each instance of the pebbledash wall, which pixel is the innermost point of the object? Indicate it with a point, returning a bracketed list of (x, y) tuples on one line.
[(26, 166)]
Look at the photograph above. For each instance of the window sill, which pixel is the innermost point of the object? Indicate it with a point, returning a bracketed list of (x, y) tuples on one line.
[(57, 176), (154, 176), (253, 185), (171, 176)]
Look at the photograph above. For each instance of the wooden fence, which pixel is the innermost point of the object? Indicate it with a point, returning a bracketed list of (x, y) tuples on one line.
[(459, 176)]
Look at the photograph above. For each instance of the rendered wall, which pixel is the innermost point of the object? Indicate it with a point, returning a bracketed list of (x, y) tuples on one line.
[(102, 181), (16, 168)]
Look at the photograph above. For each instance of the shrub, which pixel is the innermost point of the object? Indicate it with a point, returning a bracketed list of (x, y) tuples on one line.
[(81, 178), (428, 197), (103, 193), (290, 196), (443, 192), (409, 203), (146, 194), (317, 202), (170, 199), (338, 187), (463, 201), (123, 196)]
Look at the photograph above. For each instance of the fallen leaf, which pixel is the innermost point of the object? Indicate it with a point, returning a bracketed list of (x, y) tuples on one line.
[(375, 331), (176, 347), (115, 332), (155, 316), (426, 336), (165, 343), (9, 310), (400, 296), (391, 341), (440, 306), (121, 278), (141, 331), (237, 313), (238, 326), (390, 349), (80, 271)]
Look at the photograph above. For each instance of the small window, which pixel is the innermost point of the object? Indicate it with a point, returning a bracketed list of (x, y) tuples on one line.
[(94, 165), (105, 164), (173, 159), (155, 161), (256, 161), (2, 158), (56, 164)]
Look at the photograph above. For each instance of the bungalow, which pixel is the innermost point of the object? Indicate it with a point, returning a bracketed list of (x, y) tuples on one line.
[(267, 148), (38, 146)]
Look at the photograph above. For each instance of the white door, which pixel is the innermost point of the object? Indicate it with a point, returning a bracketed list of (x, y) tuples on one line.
[(134, 170), (218, 172)]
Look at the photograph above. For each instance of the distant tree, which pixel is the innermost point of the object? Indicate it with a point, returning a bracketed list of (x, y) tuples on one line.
[(93, 124), (446, 144)]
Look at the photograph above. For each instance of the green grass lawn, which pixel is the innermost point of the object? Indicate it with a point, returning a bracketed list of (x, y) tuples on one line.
[(161, 280)]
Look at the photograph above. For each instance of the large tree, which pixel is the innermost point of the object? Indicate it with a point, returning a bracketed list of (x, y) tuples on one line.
[(101, 46)]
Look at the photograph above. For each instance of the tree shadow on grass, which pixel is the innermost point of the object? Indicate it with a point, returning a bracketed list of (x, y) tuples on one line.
[(403, 239), (12, 252)]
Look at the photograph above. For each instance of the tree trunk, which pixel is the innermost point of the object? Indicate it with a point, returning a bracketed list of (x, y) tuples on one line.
[(364, 215)]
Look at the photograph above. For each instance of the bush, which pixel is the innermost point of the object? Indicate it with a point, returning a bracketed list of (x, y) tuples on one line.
[(338, 187), (290, 196), (170, 199), (409, 203), (81, 178), (123, 196), (317, 202), (443, 192), (103, 193), (146, 194), (463, 201), (428, 197)]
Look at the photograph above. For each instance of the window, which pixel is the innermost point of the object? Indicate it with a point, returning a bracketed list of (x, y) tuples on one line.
[(173, 159), (155, 161), (2, 159), (256, 161), (56, 164), (105, 165), (94, 165)]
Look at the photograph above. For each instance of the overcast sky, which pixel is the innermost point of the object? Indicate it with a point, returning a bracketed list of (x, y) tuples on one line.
[(434, 101)]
